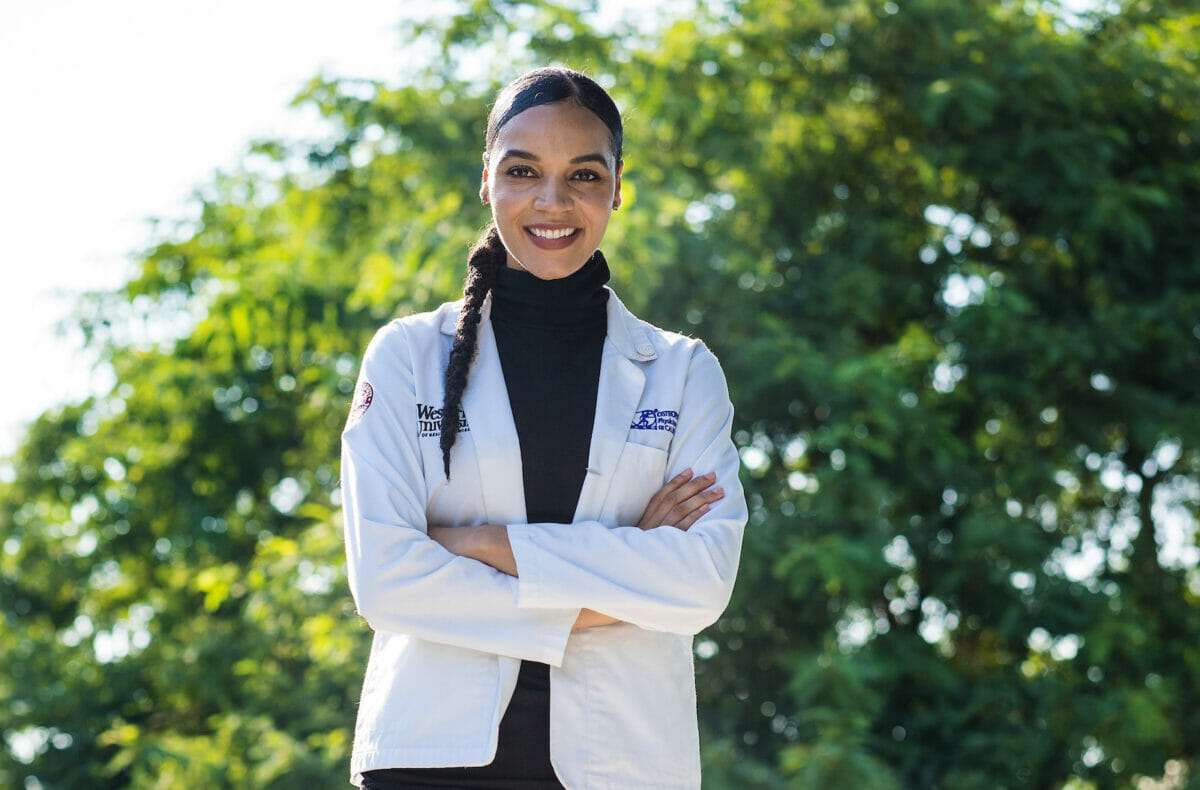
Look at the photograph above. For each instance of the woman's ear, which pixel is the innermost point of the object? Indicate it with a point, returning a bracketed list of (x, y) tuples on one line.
[(483, 182), (617, 190)]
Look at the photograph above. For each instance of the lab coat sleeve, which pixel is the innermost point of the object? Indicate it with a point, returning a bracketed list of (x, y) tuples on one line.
[(402, 580), (662, 579)]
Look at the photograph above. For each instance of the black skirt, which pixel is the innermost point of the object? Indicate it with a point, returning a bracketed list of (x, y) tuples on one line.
[(522, 755)]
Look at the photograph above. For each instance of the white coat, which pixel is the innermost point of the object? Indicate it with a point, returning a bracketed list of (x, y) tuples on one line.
[(450, 632)]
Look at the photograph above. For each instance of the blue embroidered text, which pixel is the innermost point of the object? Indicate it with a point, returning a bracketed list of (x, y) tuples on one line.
[(655, 420)]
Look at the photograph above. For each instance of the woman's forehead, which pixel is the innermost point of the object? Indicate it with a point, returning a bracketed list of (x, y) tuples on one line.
[(560, 130)]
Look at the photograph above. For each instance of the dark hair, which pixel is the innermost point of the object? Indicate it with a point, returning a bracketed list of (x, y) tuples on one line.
[(547, 86), (488, 256)]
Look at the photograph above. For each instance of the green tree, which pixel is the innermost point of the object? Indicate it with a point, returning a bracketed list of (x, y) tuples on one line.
[(960, 231), (944, 252)]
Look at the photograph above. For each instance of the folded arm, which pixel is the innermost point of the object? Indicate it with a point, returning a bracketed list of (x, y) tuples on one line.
[(678, 504)]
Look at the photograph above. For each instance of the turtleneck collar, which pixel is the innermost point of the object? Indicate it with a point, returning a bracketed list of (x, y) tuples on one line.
[(577, 299)]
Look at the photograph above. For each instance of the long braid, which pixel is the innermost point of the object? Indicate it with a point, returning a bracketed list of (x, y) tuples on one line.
[(487, 257)]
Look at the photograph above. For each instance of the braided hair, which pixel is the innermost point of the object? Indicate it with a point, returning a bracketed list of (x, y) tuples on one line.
[(483, 264), (488, 256)]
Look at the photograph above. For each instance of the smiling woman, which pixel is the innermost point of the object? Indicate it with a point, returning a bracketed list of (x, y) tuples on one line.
[(524, 532)]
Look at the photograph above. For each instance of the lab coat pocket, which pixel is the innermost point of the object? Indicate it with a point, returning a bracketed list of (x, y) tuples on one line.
[(639, 475), (648, 728)]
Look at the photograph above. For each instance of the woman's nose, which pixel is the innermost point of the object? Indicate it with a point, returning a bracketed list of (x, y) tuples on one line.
[(552, 195)]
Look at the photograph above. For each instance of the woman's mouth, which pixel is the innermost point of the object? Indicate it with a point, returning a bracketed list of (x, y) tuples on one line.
[(551, 238)]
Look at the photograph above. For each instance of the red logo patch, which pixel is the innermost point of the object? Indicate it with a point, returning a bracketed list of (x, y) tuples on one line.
[(362, 401)]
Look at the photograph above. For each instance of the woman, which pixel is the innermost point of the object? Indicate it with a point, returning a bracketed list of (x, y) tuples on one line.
[(523, 530)]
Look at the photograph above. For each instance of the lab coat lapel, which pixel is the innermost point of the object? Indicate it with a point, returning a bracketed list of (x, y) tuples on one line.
[(617, 397), (494, 433)]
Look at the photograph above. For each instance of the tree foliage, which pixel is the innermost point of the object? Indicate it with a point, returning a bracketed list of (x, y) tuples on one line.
[(946, 252)]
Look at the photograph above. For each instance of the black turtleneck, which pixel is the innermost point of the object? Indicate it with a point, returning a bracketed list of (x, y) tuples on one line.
[(550, 334)]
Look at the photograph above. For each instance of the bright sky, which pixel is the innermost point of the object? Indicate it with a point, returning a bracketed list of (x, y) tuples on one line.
[(113, 112)]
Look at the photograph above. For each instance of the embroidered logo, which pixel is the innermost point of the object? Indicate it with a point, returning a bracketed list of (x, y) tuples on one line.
[(363, 396), (429, 421), (655, 420)]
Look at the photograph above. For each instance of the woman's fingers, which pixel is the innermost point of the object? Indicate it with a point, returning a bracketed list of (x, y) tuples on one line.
[(685, 513), (668, 491), (681, 501), (663, 500)]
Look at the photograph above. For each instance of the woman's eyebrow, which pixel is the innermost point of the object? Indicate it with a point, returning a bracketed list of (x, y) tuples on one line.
[(599, 158), (517, 153)]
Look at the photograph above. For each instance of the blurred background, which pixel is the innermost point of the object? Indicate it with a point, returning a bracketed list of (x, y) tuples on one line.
[(116, 114), (946, 250)]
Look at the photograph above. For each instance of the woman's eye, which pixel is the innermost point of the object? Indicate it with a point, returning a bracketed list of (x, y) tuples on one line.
[(587, 175), (520, 171)]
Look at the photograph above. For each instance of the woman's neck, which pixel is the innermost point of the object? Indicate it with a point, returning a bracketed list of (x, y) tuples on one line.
[(577, 299)]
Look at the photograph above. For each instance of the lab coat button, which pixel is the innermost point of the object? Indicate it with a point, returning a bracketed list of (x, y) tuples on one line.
[(645, 350)]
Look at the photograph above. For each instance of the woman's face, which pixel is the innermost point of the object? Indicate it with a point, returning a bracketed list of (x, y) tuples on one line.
[(552, 182)]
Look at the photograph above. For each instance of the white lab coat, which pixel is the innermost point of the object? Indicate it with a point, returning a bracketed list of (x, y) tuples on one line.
[(450, 632)]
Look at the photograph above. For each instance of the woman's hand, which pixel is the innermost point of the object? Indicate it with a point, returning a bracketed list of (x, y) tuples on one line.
[(680, 502), (589, 618)]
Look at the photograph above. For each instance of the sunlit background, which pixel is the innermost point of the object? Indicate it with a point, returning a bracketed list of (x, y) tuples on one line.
[(113, 113)]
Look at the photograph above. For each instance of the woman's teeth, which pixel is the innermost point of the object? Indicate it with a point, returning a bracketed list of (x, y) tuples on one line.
[(552, 234)]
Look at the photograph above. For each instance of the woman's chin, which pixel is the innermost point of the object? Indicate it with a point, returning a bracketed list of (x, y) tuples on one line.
[(547, 268)]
